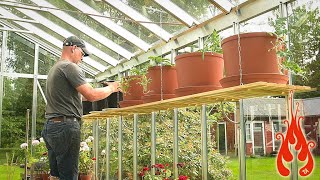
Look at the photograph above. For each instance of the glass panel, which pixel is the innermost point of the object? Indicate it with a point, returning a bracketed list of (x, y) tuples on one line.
[(258, 24), (20, 55), (201, 10), (46, 61), (17, 98), (267, 116), (156, 14), (127, 148), (41, 106), (258, 139), (222, 139), (1, 47)]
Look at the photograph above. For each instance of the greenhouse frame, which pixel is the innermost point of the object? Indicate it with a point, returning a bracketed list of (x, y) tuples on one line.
[(190, 134)]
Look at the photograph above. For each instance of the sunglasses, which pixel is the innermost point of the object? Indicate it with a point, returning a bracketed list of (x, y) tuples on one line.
[(81, 51)]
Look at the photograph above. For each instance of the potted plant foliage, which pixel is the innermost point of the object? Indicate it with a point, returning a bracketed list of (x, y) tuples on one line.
[(264, 57), (160, 80), (200, 71), (86, 161), (132, 87)]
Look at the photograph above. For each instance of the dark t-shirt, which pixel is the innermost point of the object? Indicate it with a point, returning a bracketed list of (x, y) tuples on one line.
[(63, 98)]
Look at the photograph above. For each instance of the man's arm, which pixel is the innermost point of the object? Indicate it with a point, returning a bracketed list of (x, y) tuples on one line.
[(95, 94)]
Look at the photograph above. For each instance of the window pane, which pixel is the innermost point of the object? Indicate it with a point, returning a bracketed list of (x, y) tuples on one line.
[(20, 57), (46, 61)]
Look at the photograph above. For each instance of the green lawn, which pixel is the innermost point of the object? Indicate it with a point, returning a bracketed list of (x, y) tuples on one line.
[(13, 172), (265, 168)]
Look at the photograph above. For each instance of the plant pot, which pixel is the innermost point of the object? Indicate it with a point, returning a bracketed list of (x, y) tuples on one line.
[(258, 58), (164, 83), (195, 72), (112, 101), (87, 107), (133, 94), (85, 176), (45, 176), (99, 105)]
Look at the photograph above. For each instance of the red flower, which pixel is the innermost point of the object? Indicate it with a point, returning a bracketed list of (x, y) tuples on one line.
[(141, 174), (183, 177), (167, 164), (161, 166), (94, 158), (180, 165), (145, 169), (157, 173)]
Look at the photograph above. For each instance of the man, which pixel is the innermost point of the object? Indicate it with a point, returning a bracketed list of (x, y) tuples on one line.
[(65, 85)]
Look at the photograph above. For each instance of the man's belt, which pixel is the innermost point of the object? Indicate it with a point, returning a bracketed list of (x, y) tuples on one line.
[(63, 119)]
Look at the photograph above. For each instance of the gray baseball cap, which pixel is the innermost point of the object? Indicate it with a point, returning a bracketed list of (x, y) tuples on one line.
[(75, 41)]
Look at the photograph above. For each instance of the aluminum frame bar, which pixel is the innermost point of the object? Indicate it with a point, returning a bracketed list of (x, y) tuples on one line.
[(110, 25), (19, 19), (135, 146), (133, 14), (3, 58), (35, 92), (177, 12), (15, 30), (204, 143), (86, 30), (224, 5)]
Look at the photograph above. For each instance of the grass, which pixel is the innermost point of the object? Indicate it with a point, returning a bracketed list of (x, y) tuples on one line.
[(265, 168), (13, 171)]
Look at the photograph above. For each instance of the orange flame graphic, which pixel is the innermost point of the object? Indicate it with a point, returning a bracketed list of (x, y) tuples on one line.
[(295, 137)]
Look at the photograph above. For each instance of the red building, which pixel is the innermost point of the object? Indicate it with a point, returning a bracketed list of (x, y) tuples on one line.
[(264, 119)]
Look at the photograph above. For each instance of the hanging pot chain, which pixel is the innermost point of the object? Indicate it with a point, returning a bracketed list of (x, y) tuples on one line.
[(239, 43), (239, 53)]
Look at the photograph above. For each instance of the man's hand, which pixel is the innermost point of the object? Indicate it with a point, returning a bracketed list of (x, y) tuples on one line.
[(114, 86)]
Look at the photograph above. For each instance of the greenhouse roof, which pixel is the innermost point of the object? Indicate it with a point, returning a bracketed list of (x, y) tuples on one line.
[(124, 33)]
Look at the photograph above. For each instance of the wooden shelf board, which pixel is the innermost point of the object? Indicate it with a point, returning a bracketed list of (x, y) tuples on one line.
[(252, 90)]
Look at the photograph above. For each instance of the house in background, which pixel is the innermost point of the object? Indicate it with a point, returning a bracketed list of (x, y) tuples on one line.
[(264, 119)]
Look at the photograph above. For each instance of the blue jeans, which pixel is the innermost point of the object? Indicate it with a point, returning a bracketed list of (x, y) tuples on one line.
[(63, 143)]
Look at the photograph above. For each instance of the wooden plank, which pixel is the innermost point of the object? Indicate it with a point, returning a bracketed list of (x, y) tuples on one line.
[(253, 90)]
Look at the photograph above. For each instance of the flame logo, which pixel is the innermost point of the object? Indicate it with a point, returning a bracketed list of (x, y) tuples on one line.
[(295, 137)]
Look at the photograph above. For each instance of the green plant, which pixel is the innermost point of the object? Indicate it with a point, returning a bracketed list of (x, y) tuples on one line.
[(135, 71), (158, 60), (161, 172), (284, 55), (86, 160), (212, 44)]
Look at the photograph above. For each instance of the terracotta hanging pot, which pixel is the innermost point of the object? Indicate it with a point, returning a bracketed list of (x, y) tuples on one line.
[(134, 92), (195, 74), (258, 59), (162, 84), (85, 176), (45, 176)]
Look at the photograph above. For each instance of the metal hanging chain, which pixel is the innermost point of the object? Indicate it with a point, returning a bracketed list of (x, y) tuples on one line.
[(239, 43), (161, 76), (224, 115), (239, 53)]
